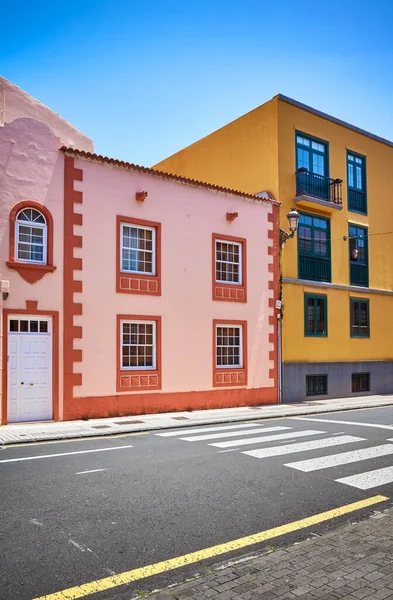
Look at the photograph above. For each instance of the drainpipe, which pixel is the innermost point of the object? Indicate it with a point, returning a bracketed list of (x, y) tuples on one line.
[(4, 291), (279, 348)]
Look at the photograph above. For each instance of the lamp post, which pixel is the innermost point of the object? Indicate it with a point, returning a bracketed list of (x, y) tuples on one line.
[(293, 221)]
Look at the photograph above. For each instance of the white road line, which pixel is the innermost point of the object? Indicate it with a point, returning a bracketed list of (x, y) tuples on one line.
[(212, 436), (9, 460), (230, 450), (93, 471), (342, 458), (266, 438), (375, 425), (370, 479), (81, 548), (303, 446), (201, 428)]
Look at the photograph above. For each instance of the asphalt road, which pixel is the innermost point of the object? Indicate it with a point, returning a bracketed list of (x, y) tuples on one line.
[(110, 505)]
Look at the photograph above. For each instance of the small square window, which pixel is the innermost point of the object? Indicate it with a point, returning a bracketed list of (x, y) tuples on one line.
[(33, 326), (24, 326), (14, 325), (43, 326), (316, 385), (360, 382), (360, 318)]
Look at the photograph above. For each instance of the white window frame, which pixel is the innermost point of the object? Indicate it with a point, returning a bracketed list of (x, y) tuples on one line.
[(241, 363), (31, 224), (154, 352), (153, 252), (240, 246)]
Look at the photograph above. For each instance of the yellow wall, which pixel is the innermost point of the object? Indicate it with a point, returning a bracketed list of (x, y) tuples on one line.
[(243, 155), (379, 164), (338, 345), (257, 152)]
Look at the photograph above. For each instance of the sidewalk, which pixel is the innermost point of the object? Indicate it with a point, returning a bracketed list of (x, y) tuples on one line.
[(353, 562), (34, 432)]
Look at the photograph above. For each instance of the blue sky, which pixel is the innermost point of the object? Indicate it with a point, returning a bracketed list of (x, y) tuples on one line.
[(144, 79)]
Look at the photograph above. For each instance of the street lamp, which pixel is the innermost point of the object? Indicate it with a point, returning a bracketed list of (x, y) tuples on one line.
[(293, 219)]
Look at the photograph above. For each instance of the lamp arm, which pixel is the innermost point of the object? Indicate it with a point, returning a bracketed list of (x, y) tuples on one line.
[(284, 236)]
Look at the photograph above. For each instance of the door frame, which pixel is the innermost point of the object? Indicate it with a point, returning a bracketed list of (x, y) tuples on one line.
[(32, 310)]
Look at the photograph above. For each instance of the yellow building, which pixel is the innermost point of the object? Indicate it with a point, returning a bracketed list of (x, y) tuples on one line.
[(337, 319)]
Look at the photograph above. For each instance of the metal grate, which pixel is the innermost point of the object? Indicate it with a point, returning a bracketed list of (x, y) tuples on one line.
[(128, 422), (360, 382), (316, 385)]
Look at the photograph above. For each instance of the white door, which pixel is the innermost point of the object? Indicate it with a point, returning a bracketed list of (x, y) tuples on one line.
[(29, 369)]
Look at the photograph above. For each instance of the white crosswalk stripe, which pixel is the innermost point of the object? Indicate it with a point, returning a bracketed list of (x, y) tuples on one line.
[(266, 438), (343, 458), (303, 446), (214, 436), (370, 479), (273, 443), (198, 430)]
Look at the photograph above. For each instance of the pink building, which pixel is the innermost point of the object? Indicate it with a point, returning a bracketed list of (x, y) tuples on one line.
[(130, 290)]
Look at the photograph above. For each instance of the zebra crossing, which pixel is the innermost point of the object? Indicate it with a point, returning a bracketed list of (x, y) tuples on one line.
[(281, 440)]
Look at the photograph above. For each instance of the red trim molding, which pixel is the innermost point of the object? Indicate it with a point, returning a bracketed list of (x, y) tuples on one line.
[(31, 272), (71, 285), (274, 285), (230, 292), (138, 380), (32, 309), (135, 283), (230, 377), (151, 403)]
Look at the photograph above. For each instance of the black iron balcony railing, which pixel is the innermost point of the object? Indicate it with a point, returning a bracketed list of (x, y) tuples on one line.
[(359, 275), (318, 186), (315, 269), (357, 201)]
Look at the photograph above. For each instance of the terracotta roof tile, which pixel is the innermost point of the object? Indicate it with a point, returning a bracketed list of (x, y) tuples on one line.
[(267, 198)]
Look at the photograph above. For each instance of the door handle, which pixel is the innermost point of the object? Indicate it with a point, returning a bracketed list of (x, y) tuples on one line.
[(31, 384)]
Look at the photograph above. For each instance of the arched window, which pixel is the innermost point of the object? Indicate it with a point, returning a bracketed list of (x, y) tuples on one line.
[(31, 236)]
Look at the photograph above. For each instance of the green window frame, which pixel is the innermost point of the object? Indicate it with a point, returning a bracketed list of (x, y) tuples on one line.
[(312, 154), (360, 318), (358, 255), (314, 251), (356, 182), (315, 315)]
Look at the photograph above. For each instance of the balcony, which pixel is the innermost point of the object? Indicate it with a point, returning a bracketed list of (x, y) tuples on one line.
[(315, 269), (359, 275), (316, 190), (357, 201)]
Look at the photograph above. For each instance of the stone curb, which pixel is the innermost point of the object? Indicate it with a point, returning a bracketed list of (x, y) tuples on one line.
[(301, 411)]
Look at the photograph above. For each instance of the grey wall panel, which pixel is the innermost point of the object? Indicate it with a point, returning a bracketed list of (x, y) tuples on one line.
[(339, 378)]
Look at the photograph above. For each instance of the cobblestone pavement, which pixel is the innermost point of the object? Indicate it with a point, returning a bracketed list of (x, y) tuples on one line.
[(354, 562)]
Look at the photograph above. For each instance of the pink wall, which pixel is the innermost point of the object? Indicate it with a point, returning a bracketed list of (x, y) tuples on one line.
[(32, 168), (188, 216), (15, 103)]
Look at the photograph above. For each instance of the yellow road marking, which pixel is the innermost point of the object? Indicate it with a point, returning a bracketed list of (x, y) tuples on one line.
[(80, 439), (107, 583)]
